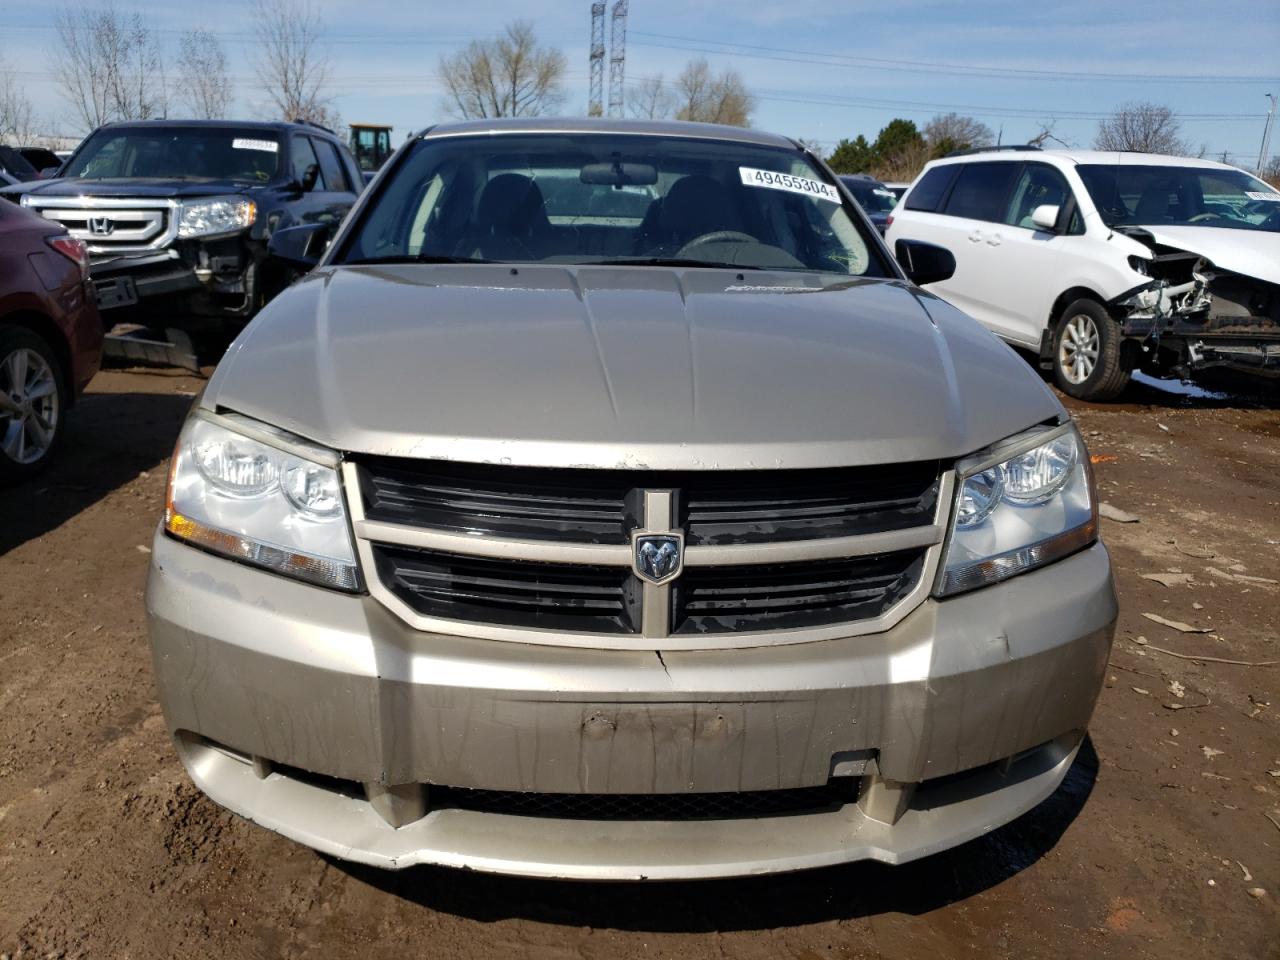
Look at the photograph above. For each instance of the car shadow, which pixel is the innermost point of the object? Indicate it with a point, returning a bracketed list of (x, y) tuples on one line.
[(110, 438), (757, 903)]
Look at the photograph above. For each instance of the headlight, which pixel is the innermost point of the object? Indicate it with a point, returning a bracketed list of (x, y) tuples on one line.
[(1030, 508), (204, 218), (256, 501)]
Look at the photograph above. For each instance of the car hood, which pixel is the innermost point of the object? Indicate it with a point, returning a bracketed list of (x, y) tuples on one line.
[(1253, 253), (635, 367), (129, 187)]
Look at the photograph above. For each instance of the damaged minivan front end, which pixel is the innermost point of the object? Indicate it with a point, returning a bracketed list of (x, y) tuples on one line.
[(1193, 315)]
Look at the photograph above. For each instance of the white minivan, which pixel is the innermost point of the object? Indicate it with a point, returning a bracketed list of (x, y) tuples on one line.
[(1105, 263)]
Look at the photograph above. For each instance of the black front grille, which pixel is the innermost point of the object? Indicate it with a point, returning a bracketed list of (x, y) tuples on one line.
[(553, 596), (603, 506), (649, 806), (792, 595), (589, 506)]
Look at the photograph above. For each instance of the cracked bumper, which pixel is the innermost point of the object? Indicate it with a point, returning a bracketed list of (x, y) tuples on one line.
[(336, 685)]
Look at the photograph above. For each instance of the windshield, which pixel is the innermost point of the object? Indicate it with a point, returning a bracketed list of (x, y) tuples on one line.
[(1165, 195), (611, 198), (871, 196), (189, 153)]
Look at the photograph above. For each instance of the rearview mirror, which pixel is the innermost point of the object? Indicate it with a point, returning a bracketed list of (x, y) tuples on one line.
[(300, 247), (1045, 216), (925, 262), (619, 174)]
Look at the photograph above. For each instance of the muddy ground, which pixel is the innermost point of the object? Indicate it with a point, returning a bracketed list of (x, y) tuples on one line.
[(1170, 818)]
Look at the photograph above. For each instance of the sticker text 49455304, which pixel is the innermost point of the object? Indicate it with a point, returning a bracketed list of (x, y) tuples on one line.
[(790, 183)]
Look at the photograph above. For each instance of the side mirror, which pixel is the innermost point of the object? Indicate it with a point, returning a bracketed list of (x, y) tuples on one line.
[(309, 178), (1045, 216), (300, 247), (925, 262)]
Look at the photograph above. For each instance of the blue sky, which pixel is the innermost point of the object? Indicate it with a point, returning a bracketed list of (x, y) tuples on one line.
[(821, 70)]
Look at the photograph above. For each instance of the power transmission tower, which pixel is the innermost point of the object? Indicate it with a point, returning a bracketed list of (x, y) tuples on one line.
[(617, 56), (595, 108)]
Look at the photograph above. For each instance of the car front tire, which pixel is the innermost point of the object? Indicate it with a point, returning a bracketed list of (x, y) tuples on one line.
[(33, 404), (1086, 353)]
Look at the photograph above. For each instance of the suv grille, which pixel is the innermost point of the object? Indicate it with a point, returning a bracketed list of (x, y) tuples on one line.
[(601, 506)]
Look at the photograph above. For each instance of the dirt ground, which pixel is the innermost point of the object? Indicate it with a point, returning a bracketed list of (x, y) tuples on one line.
[(1164, 841)]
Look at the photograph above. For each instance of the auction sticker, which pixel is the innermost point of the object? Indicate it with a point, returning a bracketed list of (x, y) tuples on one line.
[(790, 183), (266, 146), (1273, 197)]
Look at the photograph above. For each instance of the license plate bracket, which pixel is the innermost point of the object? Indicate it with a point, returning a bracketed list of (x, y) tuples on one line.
[(116, 292)]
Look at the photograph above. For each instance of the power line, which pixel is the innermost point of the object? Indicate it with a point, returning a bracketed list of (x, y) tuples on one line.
[(918, 66)]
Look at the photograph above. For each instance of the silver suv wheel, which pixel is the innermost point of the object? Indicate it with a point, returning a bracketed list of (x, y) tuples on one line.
[(28, 406), (1078, 348)]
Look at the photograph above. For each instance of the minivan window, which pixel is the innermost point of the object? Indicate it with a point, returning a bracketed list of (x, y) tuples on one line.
[(1151, 195), (981, 191), (933, 186), (1038, 185), (613, 198)]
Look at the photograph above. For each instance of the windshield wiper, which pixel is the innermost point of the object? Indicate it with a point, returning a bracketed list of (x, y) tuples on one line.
[(668, 262)]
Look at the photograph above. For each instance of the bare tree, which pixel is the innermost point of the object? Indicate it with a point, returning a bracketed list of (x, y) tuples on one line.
[(708, 98), (17, 118), (1143, 127), (202, 75), (952, 131), (109, 65), (291, 65), (652, 100), (508, 76), (1046, 135)]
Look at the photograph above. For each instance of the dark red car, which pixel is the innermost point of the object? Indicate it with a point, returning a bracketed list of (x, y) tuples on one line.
[(50, 337)]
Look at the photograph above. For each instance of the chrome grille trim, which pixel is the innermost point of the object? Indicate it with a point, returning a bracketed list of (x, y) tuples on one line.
[(158, 216), (652, 636)]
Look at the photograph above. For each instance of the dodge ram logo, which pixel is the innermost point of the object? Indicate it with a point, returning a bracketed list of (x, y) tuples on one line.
[(101, 226), (657, 557)]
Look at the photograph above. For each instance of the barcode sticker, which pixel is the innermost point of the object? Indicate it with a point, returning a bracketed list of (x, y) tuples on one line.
[(267, 146), (790, 183)]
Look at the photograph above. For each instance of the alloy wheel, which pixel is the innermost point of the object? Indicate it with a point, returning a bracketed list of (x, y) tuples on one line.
[(28, 406), (1079, 347)]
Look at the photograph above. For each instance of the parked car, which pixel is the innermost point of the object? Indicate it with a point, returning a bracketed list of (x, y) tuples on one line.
[(177, 214), (875, 199), (1106, 263), (688, 540), (50, 338), (14, 166), (898, 190), (44, 160)]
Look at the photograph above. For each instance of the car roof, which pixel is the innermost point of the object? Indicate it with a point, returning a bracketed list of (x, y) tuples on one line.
[(279, 126), (597, 125), (1113, 158)]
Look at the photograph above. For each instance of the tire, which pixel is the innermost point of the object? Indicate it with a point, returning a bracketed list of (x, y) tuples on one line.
[(1086, 353), (33, 404)]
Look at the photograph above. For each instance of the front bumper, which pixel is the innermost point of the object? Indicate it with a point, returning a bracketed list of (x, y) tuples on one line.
[(256, 667)]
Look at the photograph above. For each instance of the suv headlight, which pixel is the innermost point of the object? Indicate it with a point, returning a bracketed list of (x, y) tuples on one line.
[(247, 491), (214, 215), (1026, 503)]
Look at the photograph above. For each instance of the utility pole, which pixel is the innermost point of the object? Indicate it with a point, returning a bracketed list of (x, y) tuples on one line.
[(1266, 135), (595, 106), (617, 57)]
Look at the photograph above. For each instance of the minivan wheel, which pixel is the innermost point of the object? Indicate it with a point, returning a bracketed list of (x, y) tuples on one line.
[(1086, 353), (32, 404)]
